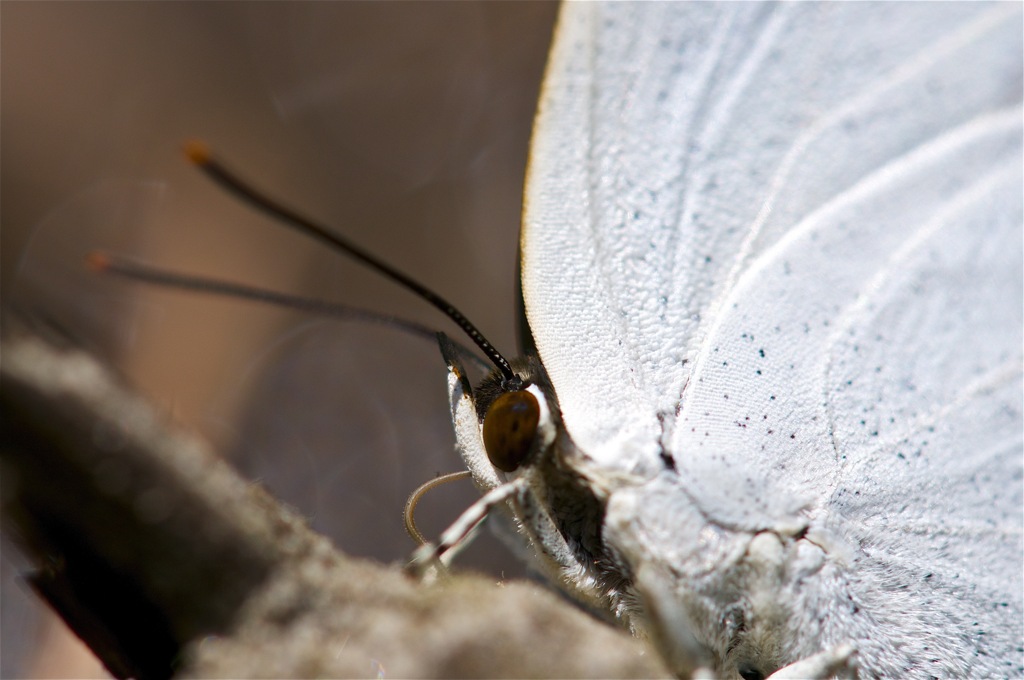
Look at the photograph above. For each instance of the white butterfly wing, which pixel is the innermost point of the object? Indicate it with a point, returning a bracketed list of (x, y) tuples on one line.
[(782, 244), (677, 142)]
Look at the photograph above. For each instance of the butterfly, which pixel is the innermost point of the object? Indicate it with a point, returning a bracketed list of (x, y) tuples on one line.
[(771, 265), (770, 414)]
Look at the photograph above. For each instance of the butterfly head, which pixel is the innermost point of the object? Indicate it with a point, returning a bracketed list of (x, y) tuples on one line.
[(516, 415)]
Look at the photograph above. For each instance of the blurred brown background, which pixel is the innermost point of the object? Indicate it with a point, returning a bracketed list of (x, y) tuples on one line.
[(406, 125)]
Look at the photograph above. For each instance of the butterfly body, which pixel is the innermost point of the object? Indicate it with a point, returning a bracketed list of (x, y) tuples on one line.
[(771, 264)]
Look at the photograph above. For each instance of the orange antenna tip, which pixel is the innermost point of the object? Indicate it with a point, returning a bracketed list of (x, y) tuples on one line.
[(97, 261), (197, 151)]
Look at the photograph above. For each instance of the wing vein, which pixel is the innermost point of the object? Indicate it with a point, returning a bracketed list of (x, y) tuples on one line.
[(870, 95)]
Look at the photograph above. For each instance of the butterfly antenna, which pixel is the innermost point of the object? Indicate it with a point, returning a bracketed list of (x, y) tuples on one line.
[(107, 263), (200, 155)]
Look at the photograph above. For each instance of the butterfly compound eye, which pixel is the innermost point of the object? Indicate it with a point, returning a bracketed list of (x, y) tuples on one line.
[(510, 427)]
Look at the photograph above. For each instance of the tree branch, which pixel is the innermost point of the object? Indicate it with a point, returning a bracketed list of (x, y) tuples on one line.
[(167, 563)]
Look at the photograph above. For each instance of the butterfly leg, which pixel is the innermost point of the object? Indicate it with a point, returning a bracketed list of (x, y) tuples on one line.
[(836, 662), (459, 534)]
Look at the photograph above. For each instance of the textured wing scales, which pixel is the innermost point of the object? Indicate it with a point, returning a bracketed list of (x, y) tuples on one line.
[(783, 243)]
